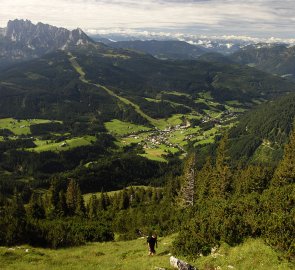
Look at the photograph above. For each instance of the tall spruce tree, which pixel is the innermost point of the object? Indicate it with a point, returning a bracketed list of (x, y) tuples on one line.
[(124, 200), (74, 199), (221, 182), (53, 198), (62, 208), (187, 192), (285, 172), (278, 202), (93, 207), (15, 220), (35, 208), (104, 200), (203, 180)]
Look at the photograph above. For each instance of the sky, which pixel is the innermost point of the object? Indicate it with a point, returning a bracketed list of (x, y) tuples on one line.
[(259, 18)]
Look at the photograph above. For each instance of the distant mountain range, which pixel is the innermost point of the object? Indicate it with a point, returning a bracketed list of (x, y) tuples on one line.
[(273, 58), (222, 46), (166, 49)]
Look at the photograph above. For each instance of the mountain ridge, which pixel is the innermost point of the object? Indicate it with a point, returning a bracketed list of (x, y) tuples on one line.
[(165, 49), (277, 59), (23, 40)]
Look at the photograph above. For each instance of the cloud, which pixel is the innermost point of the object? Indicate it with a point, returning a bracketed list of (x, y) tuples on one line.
[(258, 18)]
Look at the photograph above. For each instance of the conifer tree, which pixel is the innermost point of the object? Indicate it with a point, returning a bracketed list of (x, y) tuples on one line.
[(124, 199), (74, 199), (92, 207), (187, 192), (104, 201), (172, 188), (203, 180), (35, 207), (80, 207), (115, 201), (149, 194), (53, 197), (285, 172), (253, 178), (131, 195), (221, 182), (16, 220), (62, 207)]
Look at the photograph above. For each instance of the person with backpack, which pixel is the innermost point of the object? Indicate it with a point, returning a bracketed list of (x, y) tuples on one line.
[(152, 243)]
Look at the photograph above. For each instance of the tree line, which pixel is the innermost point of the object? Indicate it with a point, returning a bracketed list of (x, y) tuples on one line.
[(222, 201), (61, 218), (229, 203)]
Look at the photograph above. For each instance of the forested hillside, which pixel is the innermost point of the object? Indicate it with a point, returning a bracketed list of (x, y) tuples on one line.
[(276, 59), (101, 144), (218, 203), (262, 132)]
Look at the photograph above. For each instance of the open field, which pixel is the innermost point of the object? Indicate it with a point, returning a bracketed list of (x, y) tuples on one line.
[(112, 193), (213, 114), (121, 128), (176, 93), (20, 127), (253, 254), (153, 100), (132, 255), (156, 154), (129, 255), (206, 95), (43, 146)]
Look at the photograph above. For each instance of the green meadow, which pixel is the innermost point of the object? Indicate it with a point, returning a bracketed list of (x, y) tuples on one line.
[(133, 255), (158, 153), (121, 128), (20, 127), (87, 196), (128, 133), (47, 145)]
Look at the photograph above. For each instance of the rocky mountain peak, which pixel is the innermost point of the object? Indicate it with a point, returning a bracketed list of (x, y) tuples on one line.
[(44, 36), (2, 31), (22, 40)]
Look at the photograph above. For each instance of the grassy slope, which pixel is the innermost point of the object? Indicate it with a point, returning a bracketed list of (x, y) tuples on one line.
[(251, 255), (20, 127), (132, 255), (56, 147), (110, 193), (120, 128)]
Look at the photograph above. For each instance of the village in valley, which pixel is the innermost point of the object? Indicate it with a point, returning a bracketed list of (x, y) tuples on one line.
[(158, 143), (166, 137)]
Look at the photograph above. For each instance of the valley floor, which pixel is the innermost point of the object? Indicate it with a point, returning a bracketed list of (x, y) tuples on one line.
[(132, 255)]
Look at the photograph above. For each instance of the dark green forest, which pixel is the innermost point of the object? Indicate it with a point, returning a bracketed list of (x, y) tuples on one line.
[(221, 202)]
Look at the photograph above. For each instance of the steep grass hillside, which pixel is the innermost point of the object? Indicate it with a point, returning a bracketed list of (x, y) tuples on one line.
[(132, 255)]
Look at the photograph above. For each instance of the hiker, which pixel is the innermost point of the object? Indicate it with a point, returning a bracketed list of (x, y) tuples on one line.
[(152, 242)]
